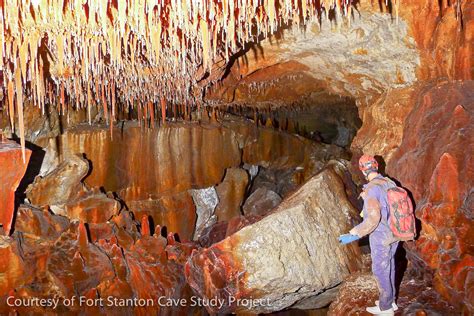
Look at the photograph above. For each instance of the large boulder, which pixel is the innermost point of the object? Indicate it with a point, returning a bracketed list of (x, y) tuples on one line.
[(291, 257)]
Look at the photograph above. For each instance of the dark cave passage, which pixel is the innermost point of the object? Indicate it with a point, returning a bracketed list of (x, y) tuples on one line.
[(320, 116)]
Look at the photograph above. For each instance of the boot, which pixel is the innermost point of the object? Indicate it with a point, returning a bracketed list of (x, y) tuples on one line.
[(375, 310), (394, 305)]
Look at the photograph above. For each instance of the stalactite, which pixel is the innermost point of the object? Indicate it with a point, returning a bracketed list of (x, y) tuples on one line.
[(163, 109), (11, 100), (62, 99), (397, 7), (89, 104), (111, 127), (104, 104), (152, 113), (145, 115), (112, 88), (19, 102), (157, 47), (140, 115)]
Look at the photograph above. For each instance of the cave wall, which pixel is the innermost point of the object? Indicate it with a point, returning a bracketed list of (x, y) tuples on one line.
[(435, 161), (425, 135), (443, 32)]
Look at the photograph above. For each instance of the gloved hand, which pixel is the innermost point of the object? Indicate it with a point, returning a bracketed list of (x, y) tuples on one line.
[(347, 238)]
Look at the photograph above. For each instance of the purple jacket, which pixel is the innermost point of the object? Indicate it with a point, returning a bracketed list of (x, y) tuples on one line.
[(376, 209)]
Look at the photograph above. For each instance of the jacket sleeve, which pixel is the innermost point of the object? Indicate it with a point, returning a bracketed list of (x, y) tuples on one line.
[(371, 216)]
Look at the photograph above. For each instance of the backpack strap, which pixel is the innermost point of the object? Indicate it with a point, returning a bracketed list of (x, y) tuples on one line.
[(383, 183)]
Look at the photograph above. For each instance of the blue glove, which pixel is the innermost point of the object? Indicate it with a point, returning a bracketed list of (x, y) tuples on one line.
[(347, 238)]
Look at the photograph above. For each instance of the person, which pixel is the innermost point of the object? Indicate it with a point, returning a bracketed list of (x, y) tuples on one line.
[(383, 245)]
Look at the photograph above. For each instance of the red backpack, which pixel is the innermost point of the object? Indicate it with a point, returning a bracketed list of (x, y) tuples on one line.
[(402, 218)]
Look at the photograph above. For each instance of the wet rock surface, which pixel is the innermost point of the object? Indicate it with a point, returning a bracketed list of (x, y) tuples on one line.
[(116, 262), (429, 157), (11, 172), (282, 258), (439, 144), (176, 212), (231, 192), (161, 150)]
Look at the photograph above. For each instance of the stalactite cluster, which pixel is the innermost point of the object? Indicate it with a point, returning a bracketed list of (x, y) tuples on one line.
[(124, 54)]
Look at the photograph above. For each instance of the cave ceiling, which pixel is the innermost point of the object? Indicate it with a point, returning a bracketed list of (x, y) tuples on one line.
[(116, 55), (372, 55)]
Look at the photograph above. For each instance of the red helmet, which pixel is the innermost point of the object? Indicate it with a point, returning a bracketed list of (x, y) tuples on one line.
[(368, 163)]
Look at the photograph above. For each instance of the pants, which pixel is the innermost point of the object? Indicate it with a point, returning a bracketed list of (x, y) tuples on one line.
[(383, 268)]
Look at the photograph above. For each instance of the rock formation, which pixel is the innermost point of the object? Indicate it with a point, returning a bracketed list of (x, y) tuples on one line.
[(58, 259), (231, 192), (13, 167), (289, 258), (206, 201), (261, 201), (63, 191), (61, 185), (443, 189)]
